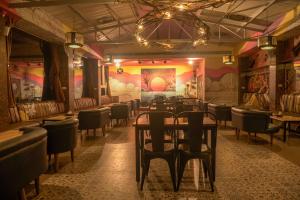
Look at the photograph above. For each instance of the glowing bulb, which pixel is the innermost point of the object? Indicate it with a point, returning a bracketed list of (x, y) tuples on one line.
[(190, 62), (139, 38), (118, 65), (167, 15), (146, 43), (140, 27)]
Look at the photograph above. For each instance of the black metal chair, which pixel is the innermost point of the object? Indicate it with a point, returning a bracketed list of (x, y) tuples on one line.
[(156, 147), (196, 143)]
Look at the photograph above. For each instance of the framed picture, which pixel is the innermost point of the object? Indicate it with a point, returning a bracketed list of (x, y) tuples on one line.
[(16, 87)]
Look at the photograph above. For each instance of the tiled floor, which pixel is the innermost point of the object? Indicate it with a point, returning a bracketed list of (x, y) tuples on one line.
[(104, 169)]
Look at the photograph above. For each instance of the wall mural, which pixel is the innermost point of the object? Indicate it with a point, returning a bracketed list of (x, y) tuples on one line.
[(128, 85), (78, 82), (221, 84), (27, 80), (157, 82)]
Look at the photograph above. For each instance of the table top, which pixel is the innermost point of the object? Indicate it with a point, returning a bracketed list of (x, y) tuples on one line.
[(58, 118), (169, 122), (7, 135), (286, 118)]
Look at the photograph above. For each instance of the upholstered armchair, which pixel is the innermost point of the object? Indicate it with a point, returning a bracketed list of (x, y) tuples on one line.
[(93, 119), (23, 159), (61, 138), (221, 112), (253, 121), (119, 112)]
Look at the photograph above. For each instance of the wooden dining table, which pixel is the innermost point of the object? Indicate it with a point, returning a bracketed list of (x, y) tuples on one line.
[(209, 126)]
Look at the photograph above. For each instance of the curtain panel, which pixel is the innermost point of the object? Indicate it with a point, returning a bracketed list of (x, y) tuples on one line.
[(52, 89), (89, 79), (106, 71), (11, 96)]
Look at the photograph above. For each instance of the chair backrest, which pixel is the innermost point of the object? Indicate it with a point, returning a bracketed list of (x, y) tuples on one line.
[(194, 129), (250, 120), (61, 135), (157, 127), (119, 111)]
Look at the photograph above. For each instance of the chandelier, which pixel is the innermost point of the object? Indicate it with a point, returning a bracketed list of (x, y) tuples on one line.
[(172, 23)]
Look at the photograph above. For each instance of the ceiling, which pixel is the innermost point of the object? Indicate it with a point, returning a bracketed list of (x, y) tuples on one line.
[(110, 25)]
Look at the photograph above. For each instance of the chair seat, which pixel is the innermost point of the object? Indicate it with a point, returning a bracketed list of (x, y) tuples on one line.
[(272, 128), (167, 146), (204, 147)]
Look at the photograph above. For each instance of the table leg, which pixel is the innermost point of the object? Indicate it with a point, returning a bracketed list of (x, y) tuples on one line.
[(213, 150), (137, 155)]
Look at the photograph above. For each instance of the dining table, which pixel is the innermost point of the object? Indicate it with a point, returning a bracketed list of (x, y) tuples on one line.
[(209, 126)]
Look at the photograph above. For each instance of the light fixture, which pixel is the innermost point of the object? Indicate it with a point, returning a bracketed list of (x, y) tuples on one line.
[(190, 62), (118, 64), (268, 42), (228, 59), (74, 40), (195, 31), (120, 70), (108, 59)]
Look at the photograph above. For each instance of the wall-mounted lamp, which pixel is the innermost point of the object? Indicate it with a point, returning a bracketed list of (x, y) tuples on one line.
[(228, 59)]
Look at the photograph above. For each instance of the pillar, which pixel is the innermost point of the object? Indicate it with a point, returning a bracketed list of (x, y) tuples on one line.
[(67, 77), (4, 119)]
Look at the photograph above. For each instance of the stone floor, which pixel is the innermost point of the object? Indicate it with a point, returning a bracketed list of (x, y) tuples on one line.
[(104, 169)]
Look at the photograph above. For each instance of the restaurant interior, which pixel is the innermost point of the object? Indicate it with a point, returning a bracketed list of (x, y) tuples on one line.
[(146, 99)]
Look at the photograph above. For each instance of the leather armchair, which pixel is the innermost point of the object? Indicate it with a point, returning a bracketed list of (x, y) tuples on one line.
[(119, 111), (221, 112), (61, 138), (22, 159), (253, 121), (93, 119)]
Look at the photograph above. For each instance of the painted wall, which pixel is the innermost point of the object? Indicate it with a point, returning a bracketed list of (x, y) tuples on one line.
[(78, 76), (27, 80), (221, 81), (128, 84)]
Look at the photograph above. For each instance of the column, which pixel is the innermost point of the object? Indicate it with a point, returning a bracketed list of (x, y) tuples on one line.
[(67, 77), (4, 119)]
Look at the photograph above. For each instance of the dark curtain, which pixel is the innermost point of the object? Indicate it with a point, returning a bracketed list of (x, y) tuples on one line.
[(89, 77), (52, 89), (106, 72), (11, 96)]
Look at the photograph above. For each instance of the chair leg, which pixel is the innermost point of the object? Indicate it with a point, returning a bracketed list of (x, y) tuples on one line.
[(271, 139), (144, 171), (238, 133), (183, 160), (72, 155), (225, 123), (55, 162), (94, 133), (249, 137), (255, 137), (171, 164), (87, 132), (204, 168), (210, 174), (37, 185), (103, 130), (22, 194)]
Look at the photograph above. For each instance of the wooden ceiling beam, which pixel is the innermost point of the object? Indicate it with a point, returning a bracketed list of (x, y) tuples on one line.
[(45, 3)]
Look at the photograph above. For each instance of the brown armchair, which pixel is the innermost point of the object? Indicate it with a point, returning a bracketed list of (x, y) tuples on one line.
[(221, 112), (61, 138), (253, 121), (119, 112), (93, 119), (23, 159)]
